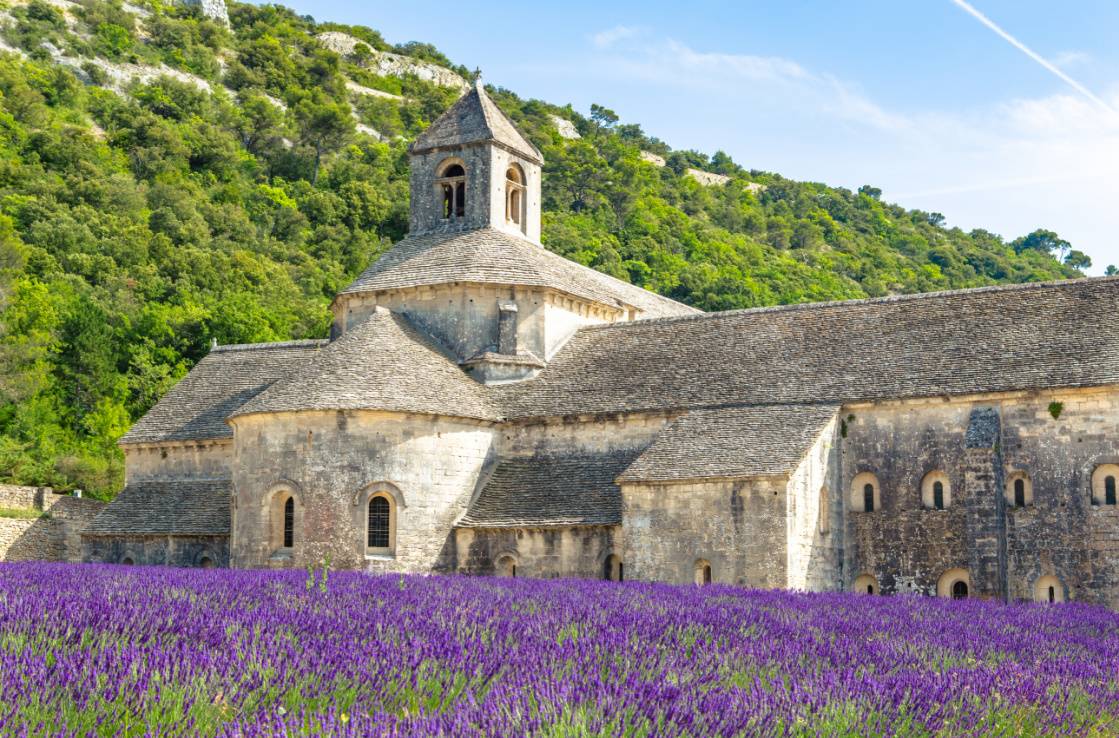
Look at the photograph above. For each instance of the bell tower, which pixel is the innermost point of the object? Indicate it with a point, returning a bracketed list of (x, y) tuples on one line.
[(472, 169)]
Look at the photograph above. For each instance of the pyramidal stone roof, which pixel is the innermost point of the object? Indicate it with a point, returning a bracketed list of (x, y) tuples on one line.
[(490, 256), (195, 409), (384, 363), (475, 119)]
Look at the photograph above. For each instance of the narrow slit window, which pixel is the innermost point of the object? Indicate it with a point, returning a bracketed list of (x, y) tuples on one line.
[(1109, 491), (289, 523), (868, 498), (938, 496), (1019, 493)]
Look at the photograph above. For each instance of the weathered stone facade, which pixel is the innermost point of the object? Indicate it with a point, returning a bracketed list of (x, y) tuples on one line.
[(487, 407)]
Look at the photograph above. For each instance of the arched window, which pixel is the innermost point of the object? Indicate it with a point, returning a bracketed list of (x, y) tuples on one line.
[(380, 528), (1049, 589), (1019, 490), (289, 523), (936, 491), (865, 584), (206, 563), (703, 574), (954, 584), (506, 566), (515, 195), (865, 494), (613, 569), (451, 188), (127, 561), (1103, 484)]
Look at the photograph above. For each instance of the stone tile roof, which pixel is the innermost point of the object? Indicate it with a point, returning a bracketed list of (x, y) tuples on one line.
[(195, 409), (167, 507), (475, 118), (382, 364), (555, 490), (734, 442), (490, 256), (1046, 335)]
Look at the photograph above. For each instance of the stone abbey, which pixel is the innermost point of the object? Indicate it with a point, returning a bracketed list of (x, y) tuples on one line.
[(486, 406)]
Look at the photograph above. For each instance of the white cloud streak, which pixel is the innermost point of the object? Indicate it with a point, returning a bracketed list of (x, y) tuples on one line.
[(979, 16)]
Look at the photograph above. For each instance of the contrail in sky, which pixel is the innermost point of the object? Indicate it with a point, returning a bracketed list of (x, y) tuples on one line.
[(1034, 55)]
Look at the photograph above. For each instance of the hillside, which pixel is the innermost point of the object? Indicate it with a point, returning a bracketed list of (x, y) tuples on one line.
[(167, 180)]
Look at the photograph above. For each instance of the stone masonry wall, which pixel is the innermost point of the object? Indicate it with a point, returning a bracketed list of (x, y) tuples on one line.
[(205, 460), (185, 551), (739, 527), (815, 530), (906, 547), (542, 553), (52, 536), (329, 461)]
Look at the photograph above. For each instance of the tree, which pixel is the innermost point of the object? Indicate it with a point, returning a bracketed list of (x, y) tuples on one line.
[(1111, 271), (603, 117), (1041, 240), (936, 219), (1078, 260), (324, 125), (874, 193)]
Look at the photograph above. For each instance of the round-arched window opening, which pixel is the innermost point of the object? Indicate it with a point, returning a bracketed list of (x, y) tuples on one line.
[(450, 187), (379, 524), (936, 491), (954, 584), (206, 563), (703, 573), (865, 494), (612, 568), (506, 566), (1019, 490), (865, 584), (515, 195), (1049, 589), (1104, 484), (127, 561)]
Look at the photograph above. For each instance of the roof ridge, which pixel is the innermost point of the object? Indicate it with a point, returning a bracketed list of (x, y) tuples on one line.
[(300, 343), (857, 302)]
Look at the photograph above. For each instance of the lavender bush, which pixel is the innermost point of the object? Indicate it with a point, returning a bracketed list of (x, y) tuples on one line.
[(107, 651)]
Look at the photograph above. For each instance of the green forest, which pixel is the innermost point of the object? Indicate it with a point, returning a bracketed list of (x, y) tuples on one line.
[(139, 221)]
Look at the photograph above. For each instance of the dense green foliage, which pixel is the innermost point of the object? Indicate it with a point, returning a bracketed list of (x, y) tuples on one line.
[(137, 225)]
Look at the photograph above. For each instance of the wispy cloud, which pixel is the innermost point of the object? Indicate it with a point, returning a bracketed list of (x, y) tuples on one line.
[(609, 37), (971, 10)]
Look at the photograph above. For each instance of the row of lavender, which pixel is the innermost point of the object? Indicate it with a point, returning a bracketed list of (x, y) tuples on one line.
[(105, 651)]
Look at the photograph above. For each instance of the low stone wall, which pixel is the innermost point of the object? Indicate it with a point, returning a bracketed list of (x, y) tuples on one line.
[(54, 535)]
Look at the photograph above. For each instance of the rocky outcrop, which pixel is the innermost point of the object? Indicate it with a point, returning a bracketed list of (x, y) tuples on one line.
[(654, 159), (393, 65), (213, 9), (565, 127), (707, 179)]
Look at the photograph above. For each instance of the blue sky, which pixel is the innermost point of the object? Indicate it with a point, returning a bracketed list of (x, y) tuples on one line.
[(918, 97)]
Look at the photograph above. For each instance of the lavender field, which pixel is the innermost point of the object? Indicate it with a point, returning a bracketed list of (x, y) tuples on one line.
[(106, 651)]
